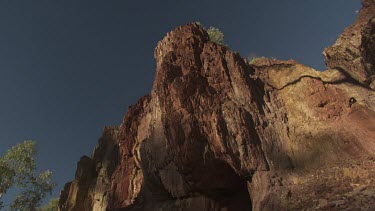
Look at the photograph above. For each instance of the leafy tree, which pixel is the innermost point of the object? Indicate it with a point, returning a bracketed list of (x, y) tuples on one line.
[(216, 35), (18, 169), (51, 206)]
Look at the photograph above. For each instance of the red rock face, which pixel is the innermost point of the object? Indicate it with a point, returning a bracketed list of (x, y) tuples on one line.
[(354, 49), (217, 133)]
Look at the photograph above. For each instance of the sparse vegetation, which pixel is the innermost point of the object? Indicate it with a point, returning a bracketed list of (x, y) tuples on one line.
[(18, 170), (215, 34), (252, 60), (52, 205)]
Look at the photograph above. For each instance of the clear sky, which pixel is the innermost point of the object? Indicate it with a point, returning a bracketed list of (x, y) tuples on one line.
[(68, 68)]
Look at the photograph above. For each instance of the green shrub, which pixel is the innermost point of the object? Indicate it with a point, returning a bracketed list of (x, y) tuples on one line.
[(216, 35)]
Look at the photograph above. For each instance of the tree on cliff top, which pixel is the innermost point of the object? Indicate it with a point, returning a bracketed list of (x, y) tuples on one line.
[(214, 33), (18, 170)]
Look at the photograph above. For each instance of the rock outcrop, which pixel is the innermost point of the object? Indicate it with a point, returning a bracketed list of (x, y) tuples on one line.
[(218, 133), (354, 50)]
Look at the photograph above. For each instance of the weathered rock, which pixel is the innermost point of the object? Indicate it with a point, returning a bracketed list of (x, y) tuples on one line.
[(92, 184), (217, 133), (354, 49)]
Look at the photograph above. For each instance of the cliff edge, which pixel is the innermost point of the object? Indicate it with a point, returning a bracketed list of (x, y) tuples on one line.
[(218, 133)]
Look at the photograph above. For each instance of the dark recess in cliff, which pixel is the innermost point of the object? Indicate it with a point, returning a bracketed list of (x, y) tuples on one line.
[(218, 133)]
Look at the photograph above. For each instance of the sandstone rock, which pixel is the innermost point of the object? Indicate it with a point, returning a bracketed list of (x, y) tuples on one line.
[(217, 133), (339, 202), (354, 49), (89, 190), (323, 203)]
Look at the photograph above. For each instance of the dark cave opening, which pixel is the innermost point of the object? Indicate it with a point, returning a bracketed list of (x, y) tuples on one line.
[(220, 183)]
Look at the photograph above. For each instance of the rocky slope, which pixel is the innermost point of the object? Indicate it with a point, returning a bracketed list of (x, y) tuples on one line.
[(218, 133)]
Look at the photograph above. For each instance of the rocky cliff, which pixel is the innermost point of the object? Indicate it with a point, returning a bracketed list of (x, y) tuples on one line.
[(218, 133), (354, 50)]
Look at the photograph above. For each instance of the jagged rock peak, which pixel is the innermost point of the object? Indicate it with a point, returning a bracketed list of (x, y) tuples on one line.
[(354, 50), (218, 133)]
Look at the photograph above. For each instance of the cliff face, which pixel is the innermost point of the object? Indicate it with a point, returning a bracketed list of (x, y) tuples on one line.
[(354, 50), (217, 133)]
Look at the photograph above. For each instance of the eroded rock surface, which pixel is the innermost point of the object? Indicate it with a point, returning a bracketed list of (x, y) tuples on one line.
[(354, 50), (217, 133)]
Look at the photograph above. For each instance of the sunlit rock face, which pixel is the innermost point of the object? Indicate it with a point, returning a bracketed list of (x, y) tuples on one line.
[(354, 50), (218, 133)]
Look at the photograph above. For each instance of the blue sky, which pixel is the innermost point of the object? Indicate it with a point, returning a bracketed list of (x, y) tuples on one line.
[(68, 68)]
